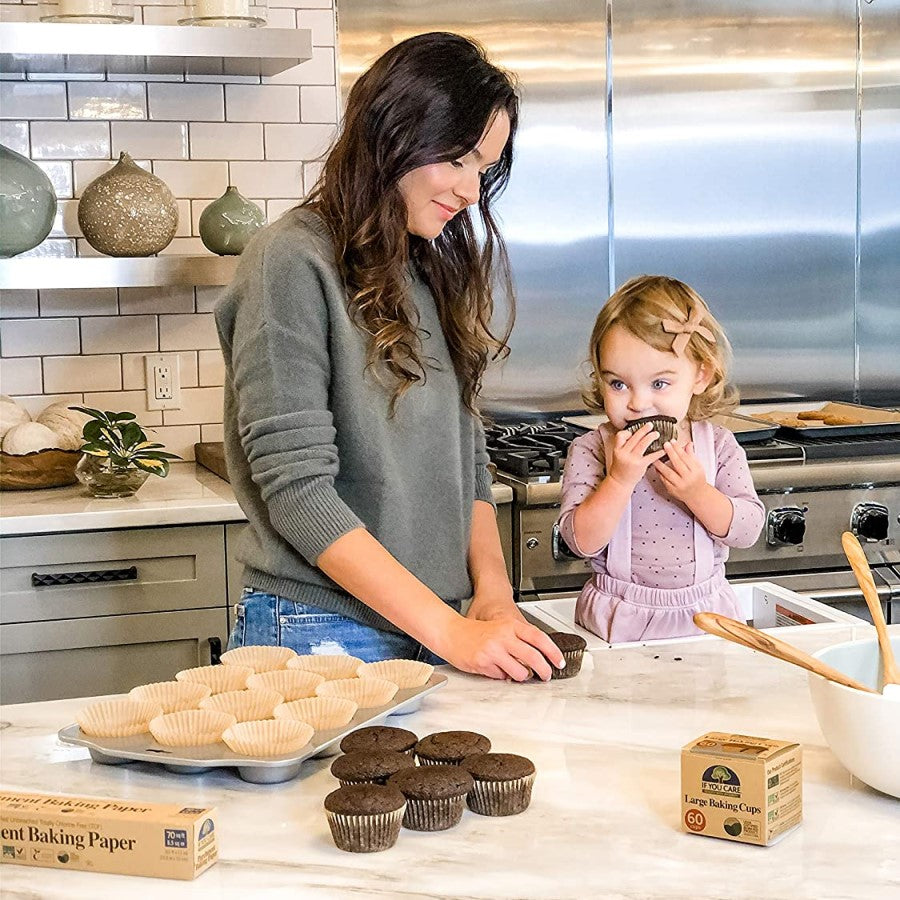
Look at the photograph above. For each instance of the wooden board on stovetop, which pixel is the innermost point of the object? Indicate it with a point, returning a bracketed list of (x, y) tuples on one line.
[(746, 430)]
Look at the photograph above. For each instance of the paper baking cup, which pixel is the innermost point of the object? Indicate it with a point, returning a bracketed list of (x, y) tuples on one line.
[(172, 696), (219, 678), (365, 691), (405, 673), (501, 798), (320, 712), (190, 727), (292, 684), (365, 834), (118, 718), (245, 706), (433, 815), (329, 667), (259, 658), (271, 737)]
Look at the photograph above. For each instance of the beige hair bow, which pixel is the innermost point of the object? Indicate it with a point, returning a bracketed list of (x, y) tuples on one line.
[(684, 330)]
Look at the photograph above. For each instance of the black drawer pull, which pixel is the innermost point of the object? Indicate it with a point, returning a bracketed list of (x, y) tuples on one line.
[(99, 575)]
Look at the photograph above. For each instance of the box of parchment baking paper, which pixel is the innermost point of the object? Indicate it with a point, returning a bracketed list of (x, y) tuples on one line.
[(97, 834), (741, 788)]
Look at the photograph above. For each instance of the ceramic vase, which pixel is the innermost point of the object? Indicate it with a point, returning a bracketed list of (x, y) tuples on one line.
[(227, 224), (27, 203), (127, 211)]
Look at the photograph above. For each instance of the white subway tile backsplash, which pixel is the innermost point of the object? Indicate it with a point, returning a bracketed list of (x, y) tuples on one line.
[(268, 179), (194, 332), (176, 102), (318, 70), (119, 334), (155, 300), (85, 171), (86, 302), (262, 103), (107, 100), (193, 179), (281, 18), (70, 140), (183, 228), (37, 403), (311, 173), (207, 297), (39, 337), (303, 4), (60, 174), (52, 248), (178, 439), (32, 100), (154, 140), (211, 367), (134, 375), (321, 22), (298, 141), (125, 401), (66, 221), (212, 433), (82, 373), (275, 209), (18, 304), (198, 406), (217, 140), (15, 136), (318, 103), (163, 15), (21, 376)]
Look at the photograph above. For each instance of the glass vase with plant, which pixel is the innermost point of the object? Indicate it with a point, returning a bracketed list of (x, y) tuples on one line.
[(117, 457)]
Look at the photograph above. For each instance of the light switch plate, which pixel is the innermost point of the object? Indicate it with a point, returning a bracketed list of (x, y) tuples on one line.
[(163, 380)]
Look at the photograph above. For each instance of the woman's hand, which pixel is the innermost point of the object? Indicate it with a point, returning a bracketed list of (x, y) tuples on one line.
[(628, 461), (683, 475)]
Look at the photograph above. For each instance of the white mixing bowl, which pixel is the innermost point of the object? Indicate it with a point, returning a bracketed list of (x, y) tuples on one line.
[(863, 730)]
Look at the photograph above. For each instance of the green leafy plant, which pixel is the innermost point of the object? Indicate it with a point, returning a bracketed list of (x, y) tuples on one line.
[(120, 439)]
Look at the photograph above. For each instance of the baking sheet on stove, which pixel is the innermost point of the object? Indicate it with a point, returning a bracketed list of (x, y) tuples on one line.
[(862, 420), (745, 429)]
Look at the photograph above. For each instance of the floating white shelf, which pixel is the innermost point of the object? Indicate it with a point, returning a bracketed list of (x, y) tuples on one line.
[(61, 48), (41, 273)]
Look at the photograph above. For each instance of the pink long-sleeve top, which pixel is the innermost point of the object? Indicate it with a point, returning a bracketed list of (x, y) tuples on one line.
[(662, 544)]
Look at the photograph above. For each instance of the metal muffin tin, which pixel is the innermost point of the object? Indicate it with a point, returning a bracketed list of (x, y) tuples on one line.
[(262, 770)]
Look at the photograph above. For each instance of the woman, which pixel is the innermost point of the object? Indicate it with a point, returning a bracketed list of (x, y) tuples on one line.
[(355, 335)]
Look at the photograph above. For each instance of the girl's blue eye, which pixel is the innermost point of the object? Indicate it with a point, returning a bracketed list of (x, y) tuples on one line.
[(659, 384), (617, 385)]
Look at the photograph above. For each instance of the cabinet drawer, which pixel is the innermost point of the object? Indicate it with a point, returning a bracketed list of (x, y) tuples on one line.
[(109, 655), (111, 573)]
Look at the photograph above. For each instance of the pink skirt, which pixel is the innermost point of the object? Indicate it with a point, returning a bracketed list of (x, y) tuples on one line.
[(619, 611)]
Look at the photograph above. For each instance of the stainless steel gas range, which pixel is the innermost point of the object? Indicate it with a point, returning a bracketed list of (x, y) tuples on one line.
[(812, 491)]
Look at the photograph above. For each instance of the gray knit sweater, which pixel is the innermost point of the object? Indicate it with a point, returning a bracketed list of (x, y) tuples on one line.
[(310, 449)]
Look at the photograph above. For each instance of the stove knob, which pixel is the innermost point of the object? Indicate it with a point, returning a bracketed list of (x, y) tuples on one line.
[(786, 525), (870, 521), (532, 543)]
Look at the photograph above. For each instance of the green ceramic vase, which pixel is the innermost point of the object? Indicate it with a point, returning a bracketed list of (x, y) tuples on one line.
[(227, 224), (27, 203)]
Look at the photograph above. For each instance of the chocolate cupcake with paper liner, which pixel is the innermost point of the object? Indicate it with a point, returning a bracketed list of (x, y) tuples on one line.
[(502, 783), (367, 692), (292, 684), (370, 766), (260, 658), (268, 737), (323, 713), (245, 706), (667, 426), (380, 737), (450, 748), (219, 678), (122, 717), (330, 666), (405, 673), (435, 795), (365, 818), (572, 647), (172, 696), (191, 727)]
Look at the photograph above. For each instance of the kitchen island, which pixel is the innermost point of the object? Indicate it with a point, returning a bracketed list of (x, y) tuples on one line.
[(604, 821)]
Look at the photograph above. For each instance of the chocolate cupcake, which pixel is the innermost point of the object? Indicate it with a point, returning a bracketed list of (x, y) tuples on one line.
[(364, 818), (369, 766), (435, 796), (502, 783), (379, 737), (450, 748), (667, 426), (572, 647)]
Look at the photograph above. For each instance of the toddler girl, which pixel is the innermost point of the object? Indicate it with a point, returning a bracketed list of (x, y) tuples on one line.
[(657, 524)]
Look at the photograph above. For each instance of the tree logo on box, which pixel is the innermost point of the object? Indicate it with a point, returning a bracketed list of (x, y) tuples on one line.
[(721, 780)]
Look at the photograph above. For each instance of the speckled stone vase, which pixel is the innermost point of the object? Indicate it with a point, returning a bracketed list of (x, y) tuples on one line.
[(229, 222), (127, 211), (27, 203)]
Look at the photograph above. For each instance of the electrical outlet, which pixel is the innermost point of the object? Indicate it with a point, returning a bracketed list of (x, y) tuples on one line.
[(163, 381)]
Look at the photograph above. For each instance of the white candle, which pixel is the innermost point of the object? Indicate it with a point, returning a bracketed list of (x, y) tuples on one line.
[(221, 9), (85, 8)]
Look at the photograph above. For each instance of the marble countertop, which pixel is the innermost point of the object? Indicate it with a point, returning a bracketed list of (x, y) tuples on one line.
[(189, 495), (604, 820)]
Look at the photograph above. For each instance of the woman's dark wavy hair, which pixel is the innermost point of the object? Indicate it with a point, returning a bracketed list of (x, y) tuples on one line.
[(428, 99)]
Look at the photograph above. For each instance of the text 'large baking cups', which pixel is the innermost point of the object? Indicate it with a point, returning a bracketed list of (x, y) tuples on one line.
[(118, 718), (292, 684), (190, 727), (405, 673), (260, 658), (172, 696), (367, 692), (245, 706), (320, 712), (330, 667), (219, 678), (270, 737)]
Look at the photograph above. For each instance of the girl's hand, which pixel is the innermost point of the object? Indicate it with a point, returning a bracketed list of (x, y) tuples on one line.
[(629, 463), (683, 476)]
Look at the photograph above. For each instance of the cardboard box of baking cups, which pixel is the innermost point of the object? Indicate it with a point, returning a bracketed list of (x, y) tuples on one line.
[(96, 834), (741, 788)]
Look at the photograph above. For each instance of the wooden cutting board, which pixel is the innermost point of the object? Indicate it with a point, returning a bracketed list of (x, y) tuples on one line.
[(211, 455)]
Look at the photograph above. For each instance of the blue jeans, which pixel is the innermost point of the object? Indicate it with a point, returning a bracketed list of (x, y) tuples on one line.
[(263, 618)]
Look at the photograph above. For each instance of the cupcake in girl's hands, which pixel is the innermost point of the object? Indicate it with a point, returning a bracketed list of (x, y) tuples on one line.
[(667, 426)]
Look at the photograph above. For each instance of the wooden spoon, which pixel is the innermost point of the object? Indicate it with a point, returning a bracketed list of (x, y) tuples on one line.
[(747, 636), (860, 565)]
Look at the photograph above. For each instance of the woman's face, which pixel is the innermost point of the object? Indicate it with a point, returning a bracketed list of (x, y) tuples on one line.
[(435, 193)]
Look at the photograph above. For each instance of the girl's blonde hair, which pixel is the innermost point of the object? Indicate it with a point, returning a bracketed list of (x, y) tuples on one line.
[(640, 306)]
